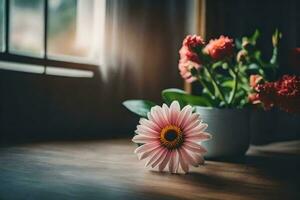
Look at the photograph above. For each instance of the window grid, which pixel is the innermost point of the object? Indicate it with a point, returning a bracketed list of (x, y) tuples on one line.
[(10, 57)]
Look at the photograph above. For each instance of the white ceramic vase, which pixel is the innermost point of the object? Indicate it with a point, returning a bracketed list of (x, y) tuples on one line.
[(229, 129)]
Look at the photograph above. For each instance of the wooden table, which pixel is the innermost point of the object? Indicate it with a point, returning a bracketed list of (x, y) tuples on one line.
[(108, 169)]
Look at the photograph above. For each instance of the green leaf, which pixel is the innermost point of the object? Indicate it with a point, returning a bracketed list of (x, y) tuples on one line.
[(238, 43), (254, 66), (139, 107), (276, 37), (257, 55), (183, 98), (225, 66), (217, 65), (228, 83), (171, 94), (255, 36)]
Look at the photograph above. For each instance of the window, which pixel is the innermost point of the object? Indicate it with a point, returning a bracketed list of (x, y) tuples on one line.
[(76, 36), (2, 19), (59, 33), (26, 27)]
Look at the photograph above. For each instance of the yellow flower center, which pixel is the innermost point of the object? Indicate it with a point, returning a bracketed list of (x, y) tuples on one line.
[(171, 137)]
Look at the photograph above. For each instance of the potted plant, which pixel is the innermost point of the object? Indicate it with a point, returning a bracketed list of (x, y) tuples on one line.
[(222, 68)]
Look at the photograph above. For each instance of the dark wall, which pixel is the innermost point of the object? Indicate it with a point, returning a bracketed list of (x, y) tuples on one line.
[(39, 107)]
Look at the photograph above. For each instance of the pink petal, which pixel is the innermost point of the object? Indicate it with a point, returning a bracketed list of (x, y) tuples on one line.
[(186, 156), (186, 74), (145, 130), (152, 116), (161, 116), (155, 157), (198, 129), (174, 111), (153, 136), (156, 113), (171, 163), (143, 139), (147, 147), (176, 161), (191, 79), (194, 117), (166, 113), (198, 137), (149, 124), (182, 115), (146, 154), (194, 147), (183, 164), (165, 161), (192, 125), (161, 158), (186, 118), (199, 158)]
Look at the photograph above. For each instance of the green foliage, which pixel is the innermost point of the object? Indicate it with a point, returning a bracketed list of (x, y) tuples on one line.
[(139, 107), (183, 98), (253, 62)]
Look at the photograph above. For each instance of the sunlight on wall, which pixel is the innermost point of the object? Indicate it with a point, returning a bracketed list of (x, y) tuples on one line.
[(139, 36)]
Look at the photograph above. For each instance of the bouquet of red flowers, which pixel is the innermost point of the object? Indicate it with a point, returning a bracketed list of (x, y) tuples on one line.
[(283, 94)]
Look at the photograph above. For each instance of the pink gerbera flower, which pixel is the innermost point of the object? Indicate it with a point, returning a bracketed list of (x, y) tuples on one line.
[(171, 137)]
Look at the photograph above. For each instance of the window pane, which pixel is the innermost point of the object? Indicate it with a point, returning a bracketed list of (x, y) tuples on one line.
[(2, 30), (71, 29), (27, 27)]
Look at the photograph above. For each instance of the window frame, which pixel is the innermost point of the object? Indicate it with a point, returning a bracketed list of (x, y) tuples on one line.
[(43, 61)]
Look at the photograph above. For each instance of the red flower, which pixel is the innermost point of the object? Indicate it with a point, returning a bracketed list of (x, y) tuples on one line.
[(220, 49), (193, 42), (289, 93), (267, 94), (254, 80), (190, 46), (188, 56), (185, 67), (254, 98), (284, 94)]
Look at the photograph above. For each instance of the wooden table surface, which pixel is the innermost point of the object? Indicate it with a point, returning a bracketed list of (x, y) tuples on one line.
[(108, 169)]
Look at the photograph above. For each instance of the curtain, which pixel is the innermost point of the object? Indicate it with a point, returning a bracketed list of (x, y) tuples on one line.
[(141, 43)]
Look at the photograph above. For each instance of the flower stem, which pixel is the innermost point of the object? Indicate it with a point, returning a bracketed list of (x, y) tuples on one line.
[(205, 86), (232, 95), (217, 88)]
